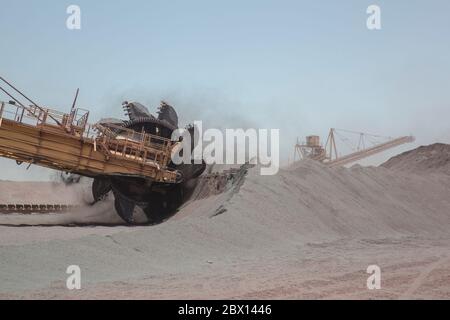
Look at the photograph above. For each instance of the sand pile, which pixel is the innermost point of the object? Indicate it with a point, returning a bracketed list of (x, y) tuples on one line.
[(311, 201), (426, 159), (265, 227), (305, 200)]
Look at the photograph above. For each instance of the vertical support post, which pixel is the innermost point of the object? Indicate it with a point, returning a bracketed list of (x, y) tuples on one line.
[(330, 140), (295, 150), (2, 106), (17, 111), (335, 148), (21, 116), (44, 117)]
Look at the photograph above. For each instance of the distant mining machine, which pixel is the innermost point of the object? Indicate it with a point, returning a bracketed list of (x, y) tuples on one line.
[(328, 154)]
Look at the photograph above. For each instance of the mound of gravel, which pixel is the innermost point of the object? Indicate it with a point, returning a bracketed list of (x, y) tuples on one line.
[(434, 158), (271, 228)]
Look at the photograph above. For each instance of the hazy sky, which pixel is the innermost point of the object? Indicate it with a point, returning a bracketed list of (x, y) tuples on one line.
[(301, 66)]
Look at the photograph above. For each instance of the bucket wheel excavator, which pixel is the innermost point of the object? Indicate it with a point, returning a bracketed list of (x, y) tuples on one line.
[(157, 199), (129, 157)]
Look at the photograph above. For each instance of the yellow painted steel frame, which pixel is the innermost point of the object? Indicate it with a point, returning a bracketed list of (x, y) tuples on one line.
[(51, 146)]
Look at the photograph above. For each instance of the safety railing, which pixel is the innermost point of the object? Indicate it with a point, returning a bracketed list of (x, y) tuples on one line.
[(75, 123), (113, 140), (118, 141)]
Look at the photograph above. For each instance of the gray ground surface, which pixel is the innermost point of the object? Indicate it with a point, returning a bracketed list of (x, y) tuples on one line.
[(308, 232)]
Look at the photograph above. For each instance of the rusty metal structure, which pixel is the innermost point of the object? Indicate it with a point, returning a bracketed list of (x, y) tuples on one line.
[(131, 158), (329, 155)]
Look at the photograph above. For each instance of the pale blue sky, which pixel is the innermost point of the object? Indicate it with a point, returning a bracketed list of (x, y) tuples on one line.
[(301, 66)]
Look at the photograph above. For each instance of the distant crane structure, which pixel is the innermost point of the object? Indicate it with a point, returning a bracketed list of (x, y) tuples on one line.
[(368, 145)]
